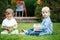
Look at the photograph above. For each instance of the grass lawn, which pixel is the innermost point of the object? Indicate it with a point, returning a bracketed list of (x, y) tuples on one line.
[(54, 36)]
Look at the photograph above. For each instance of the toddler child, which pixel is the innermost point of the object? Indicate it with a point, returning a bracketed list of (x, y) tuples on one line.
[(9, 24)]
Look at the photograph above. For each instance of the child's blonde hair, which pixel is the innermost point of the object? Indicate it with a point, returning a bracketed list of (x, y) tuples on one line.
[(46, 9), (9, 10)]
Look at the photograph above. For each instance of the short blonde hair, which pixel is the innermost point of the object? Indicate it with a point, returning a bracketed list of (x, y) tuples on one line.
[(9, 10), (46, 9)]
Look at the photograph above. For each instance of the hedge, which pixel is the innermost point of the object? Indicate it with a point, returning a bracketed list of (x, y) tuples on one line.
[(3, 6)]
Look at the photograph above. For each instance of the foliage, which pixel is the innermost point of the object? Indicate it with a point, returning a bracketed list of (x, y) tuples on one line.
[(30, 7), (33, 9), (55, 9), (3, 6)]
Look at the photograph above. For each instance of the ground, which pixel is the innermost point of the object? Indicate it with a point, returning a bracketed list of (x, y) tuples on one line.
[(54, 36)]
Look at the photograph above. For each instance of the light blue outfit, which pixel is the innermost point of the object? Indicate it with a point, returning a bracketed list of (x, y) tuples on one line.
[(19, 7), (45, 26)]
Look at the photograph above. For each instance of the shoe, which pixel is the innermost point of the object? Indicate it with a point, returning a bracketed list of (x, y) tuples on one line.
[(22, 33)]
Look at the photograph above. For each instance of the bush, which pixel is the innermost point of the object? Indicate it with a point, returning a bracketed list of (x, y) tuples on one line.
[(3, 6), (30, 7), (54, 6)]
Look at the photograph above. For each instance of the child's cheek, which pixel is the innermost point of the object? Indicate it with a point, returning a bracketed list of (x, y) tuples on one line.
[(43, 15)]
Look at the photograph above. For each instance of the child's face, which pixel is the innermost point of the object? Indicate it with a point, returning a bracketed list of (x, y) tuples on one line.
[(45, 14), (8, 15)]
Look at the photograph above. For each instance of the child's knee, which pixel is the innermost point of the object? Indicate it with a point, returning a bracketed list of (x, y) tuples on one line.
[(15, 32)]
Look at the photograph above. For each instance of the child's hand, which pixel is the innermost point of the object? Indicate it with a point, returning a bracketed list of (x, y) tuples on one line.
[(10, 28), (35, 26), (15, 27), (4, 28)]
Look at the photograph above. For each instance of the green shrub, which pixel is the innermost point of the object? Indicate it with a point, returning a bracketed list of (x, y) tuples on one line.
[(3, 6), (30, 7), (54, 6)]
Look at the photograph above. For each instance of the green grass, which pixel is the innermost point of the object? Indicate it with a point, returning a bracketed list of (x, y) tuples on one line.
[(54, 36)]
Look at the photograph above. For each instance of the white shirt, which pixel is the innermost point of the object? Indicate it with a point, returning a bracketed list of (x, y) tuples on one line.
[(9, 23)]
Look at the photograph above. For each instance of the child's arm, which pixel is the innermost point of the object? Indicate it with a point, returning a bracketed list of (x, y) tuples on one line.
[(4, 28), (45, 25), (15, 27)]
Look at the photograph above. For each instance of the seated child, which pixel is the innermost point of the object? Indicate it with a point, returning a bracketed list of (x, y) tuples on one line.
[(44, 28), (9, 24)]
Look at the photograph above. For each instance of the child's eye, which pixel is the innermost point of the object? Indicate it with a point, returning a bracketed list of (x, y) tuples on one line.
[(44, 12)]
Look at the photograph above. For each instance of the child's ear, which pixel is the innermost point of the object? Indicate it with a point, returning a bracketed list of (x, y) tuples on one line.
[(13, 14)]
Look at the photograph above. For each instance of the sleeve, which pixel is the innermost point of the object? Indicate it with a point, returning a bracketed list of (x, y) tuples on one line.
[(44, 25), (15, 24), (3, 24)]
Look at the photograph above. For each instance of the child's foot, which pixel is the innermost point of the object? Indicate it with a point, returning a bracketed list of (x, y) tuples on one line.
[(22, 33)]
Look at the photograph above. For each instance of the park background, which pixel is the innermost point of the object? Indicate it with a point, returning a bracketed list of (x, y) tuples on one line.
[(33, 11)]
